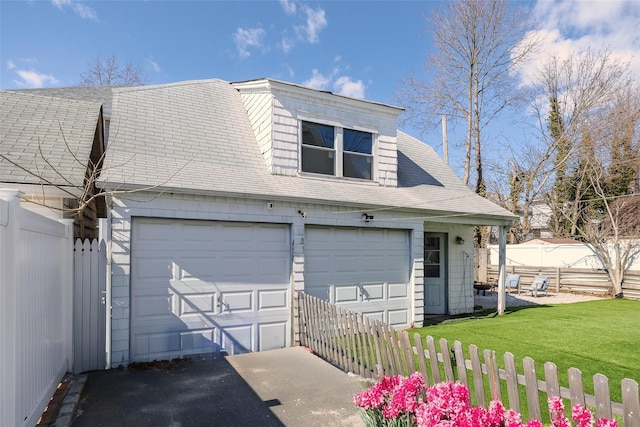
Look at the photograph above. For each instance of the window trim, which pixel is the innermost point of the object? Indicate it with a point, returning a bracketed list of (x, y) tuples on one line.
[(339, 149)]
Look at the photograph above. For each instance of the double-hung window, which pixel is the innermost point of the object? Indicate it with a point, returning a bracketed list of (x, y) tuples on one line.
[(336, 151), (357, 157), (318, 148)]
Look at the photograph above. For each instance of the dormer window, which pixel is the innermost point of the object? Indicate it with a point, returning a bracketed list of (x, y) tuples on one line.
[(318, 148), (336, 151), (357, 155)]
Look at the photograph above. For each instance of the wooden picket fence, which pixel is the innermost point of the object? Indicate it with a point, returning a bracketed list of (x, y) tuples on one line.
[(371, 349)]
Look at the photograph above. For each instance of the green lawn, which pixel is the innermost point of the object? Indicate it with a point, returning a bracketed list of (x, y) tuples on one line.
[(596, 337)]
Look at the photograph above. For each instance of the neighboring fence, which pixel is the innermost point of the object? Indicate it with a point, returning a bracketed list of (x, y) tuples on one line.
[(35, 309), (572, 279), (371, 349), (89, 287)]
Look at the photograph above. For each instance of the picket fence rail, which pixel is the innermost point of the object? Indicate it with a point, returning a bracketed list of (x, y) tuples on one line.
[(371, 349)]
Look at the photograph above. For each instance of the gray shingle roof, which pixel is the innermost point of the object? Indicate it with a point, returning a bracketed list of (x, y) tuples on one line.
[(50, 137), (195, 137), (96, 94)]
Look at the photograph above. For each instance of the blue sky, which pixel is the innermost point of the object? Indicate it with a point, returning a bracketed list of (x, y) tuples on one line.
[(356, 48)]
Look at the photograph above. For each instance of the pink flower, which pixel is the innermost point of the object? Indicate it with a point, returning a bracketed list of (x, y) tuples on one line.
[(409, 401), (582, 416)]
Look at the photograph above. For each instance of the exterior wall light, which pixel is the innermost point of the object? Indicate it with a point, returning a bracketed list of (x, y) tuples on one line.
[(367, 218), (459, 240)]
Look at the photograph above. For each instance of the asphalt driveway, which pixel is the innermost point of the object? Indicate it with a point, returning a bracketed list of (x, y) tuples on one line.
[(285, 387)]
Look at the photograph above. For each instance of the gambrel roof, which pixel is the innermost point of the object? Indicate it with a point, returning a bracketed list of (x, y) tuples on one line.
[(195, 137), (46, 139)]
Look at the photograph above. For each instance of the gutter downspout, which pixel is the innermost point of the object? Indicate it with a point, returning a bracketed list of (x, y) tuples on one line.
[(105, 234)]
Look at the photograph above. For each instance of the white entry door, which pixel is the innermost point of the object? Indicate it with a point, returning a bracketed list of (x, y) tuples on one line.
[(202, 286), (435, 262), (365, 270)]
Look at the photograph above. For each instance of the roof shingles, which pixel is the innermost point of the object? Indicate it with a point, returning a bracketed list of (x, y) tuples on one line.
[(45, 139), (196, 137)]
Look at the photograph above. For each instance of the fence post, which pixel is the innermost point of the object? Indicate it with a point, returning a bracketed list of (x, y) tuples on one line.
[(630, 403), (9, 230), (67, 298)]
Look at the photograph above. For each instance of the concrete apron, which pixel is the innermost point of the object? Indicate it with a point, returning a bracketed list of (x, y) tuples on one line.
[(285, 387)]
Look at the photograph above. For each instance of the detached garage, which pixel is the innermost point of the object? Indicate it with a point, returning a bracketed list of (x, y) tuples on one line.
[(216, 221), (201, 286)]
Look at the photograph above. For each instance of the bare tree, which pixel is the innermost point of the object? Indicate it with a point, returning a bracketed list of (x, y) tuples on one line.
[(107, 72), (478, 44), (83, 196), (611, 228), (591, 161), (568, 99)]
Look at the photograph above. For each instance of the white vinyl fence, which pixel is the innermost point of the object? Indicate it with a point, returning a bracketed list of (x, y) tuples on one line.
[(89, 297), (36, 343)]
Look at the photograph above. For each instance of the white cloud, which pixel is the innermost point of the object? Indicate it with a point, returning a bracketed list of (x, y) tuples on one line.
[(246, 38), (288, 6), (154, 65), (573, 26), (342, 85), (318, 81), (347, 87), (11, 65), (315, 22), (286, 44), (60, 4), (84, 11), (34, 79)]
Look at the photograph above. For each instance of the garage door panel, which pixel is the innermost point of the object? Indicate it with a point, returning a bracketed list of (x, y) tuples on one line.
[(320, 292), (198, 338), (154, 305), (152, 268), (272, 335), (237, 302), (272, 300), (398, 317), (398, 290), (375, 315), (346, 293), (373, 291), (238, 339), (271, 268), (361, 269), (177, 288), (197, 303)]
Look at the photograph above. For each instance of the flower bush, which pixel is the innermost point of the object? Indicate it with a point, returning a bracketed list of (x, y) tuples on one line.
[(407, 401)]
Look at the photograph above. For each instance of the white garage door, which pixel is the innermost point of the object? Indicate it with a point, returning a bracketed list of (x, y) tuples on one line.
[(202, 286), (361, 269)]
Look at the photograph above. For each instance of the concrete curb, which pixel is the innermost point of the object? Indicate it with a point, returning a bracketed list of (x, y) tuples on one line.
[(70, 401)]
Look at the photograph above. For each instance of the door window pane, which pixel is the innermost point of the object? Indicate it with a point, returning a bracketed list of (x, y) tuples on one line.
[(432, 243), (431, 271)]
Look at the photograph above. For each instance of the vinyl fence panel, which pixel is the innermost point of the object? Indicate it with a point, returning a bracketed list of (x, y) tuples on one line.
[(35, 309)]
